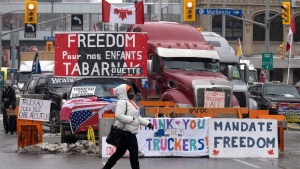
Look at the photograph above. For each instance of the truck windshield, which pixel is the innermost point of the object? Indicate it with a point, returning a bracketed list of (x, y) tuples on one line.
[(191, 63), (281, 90), (252, 76), (236, 72), (23, 77), (96, 87)]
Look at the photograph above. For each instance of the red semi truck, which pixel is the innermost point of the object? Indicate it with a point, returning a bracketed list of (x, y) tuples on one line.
[(183, 68)]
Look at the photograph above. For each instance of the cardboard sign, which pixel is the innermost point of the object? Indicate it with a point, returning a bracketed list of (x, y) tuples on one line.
[(214, 99), (106, 54), (83, 91), (243, 138), (34, 109)]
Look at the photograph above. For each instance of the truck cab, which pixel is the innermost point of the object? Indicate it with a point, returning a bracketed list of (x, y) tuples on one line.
[(183, 68), (229, 58)]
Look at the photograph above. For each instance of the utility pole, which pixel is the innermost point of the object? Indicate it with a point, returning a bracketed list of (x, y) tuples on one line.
[(267, 32), (208, 16), (224, 20)]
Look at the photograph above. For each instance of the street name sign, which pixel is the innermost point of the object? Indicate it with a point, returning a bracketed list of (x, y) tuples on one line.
[(77, 22), (267, 61), (215, 11), (49, 38), (30, 30)]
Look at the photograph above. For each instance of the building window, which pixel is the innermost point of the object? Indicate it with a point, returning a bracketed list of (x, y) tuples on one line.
[(276, 28), (297, 33), (234, 27)]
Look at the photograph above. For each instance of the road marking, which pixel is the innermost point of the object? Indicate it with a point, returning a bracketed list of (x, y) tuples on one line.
[(255, 166)]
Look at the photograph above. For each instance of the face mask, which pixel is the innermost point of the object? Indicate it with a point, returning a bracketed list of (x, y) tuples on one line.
[(130, 96)]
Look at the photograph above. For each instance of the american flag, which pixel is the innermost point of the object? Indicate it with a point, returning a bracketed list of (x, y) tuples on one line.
[(85, 114), (83, 119)]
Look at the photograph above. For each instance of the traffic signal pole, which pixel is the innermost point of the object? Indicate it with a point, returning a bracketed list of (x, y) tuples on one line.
[(265, 25)]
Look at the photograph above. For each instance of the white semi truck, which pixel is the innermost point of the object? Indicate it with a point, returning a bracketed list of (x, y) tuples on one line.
[(25, 69), (229, 58)]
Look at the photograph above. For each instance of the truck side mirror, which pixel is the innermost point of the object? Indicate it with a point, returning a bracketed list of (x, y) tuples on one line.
[(246, 73), (150, 67), (230, 72)]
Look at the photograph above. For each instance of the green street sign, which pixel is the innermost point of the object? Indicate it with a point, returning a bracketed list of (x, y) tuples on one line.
[(1, 78), (267, 61)]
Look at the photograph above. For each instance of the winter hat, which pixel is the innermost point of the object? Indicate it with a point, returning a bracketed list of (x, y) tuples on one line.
[(8, 83)]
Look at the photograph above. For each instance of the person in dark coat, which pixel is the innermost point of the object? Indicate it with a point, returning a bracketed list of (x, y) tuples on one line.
[(9, 100)]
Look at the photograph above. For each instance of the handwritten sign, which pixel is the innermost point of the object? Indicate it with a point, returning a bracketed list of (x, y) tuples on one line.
[(34, 109), (243, 138), (214, 99), (83, 91)]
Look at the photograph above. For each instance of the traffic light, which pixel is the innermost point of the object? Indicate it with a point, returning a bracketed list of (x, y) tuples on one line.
[(286, 13), (49, 46), (281, 55), (189, 10), (30, 15)]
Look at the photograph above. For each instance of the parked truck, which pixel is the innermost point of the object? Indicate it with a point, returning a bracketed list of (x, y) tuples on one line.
[(229, 58), (183, 68), (252, 72), (26, 60)]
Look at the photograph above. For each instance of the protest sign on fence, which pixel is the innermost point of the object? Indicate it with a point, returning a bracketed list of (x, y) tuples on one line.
[(34, 109)]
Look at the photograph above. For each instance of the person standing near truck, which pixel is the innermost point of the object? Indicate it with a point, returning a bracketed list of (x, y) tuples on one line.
[(9, 100), (128, 118)]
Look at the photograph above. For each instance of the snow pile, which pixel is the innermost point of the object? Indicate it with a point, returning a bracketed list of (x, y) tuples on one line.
[(85, 147)]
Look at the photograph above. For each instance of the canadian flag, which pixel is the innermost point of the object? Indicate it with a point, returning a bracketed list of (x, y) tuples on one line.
[(292, 30), (133, 14)]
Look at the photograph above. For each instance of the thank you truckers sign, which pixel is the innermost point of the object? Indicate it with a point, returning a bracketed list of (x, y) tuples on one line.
[(101, 54)]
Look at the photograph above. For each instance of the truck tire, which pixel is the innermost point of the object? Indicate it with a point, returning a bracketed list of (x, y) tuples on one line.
[(67, 138), (53, 121)]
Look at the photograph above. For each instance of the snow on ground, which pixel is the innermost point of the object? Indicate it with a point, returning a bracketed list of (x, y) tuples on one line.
[(83, 148)]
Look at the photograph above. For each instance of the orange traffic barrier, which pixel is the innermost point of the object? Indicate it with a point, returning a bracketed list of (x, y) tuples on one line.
[(280, 119), (29, 132), (254, 114), (197, 111), (108, 115), (156, 104)]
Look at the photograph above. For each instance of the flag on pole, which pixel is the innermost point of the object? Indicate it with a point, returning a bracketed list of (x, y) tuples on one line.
[(292, 30), (133, 14), (36, 67), (95, 27), (239, 52)]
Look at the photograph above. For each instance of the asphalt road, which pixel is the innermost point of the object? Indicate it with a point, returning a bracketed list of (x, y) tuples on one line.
[(10, 159)]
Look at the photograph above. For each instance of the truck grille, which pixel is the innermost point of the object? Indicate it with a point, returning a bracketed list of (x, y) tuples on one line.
[(200, 96)]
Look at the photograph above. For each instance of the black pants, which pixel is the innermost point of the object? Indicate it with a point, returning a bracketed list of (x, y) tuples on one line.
[(8, 122), (129, 142)]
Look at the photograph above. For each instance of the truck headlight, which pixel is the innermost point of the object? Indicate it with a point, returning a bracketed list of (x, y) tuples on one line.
[(252, 104), (62, 101), (272, 105)]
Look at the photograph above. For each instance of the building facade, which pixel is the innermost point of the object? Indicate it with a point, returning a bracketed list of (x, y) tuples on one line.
[(252, 36)]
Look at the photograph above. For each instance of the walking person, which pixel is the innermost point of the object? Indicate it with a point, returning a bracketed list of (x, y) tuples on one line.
[(132, 120), (9, 100)]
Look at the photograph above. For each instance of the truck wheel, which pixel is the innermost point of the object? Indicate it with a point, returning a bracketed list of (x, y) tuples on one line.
[(54, 117), (67, 138)]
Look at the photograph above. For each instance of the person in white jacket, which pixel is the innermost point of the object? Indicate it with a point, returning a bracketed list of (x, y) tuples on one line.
[(128, 118)]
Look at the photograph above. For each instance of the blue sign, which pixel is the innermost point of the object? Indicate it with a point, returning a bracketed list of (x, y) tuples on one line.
[(51, 38), (212, 11)]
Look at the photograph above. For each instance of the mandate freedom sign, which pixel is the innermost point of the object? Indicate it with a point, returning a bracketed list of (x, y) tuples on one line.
[(101, 54), (242, 138), (34, 109)]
